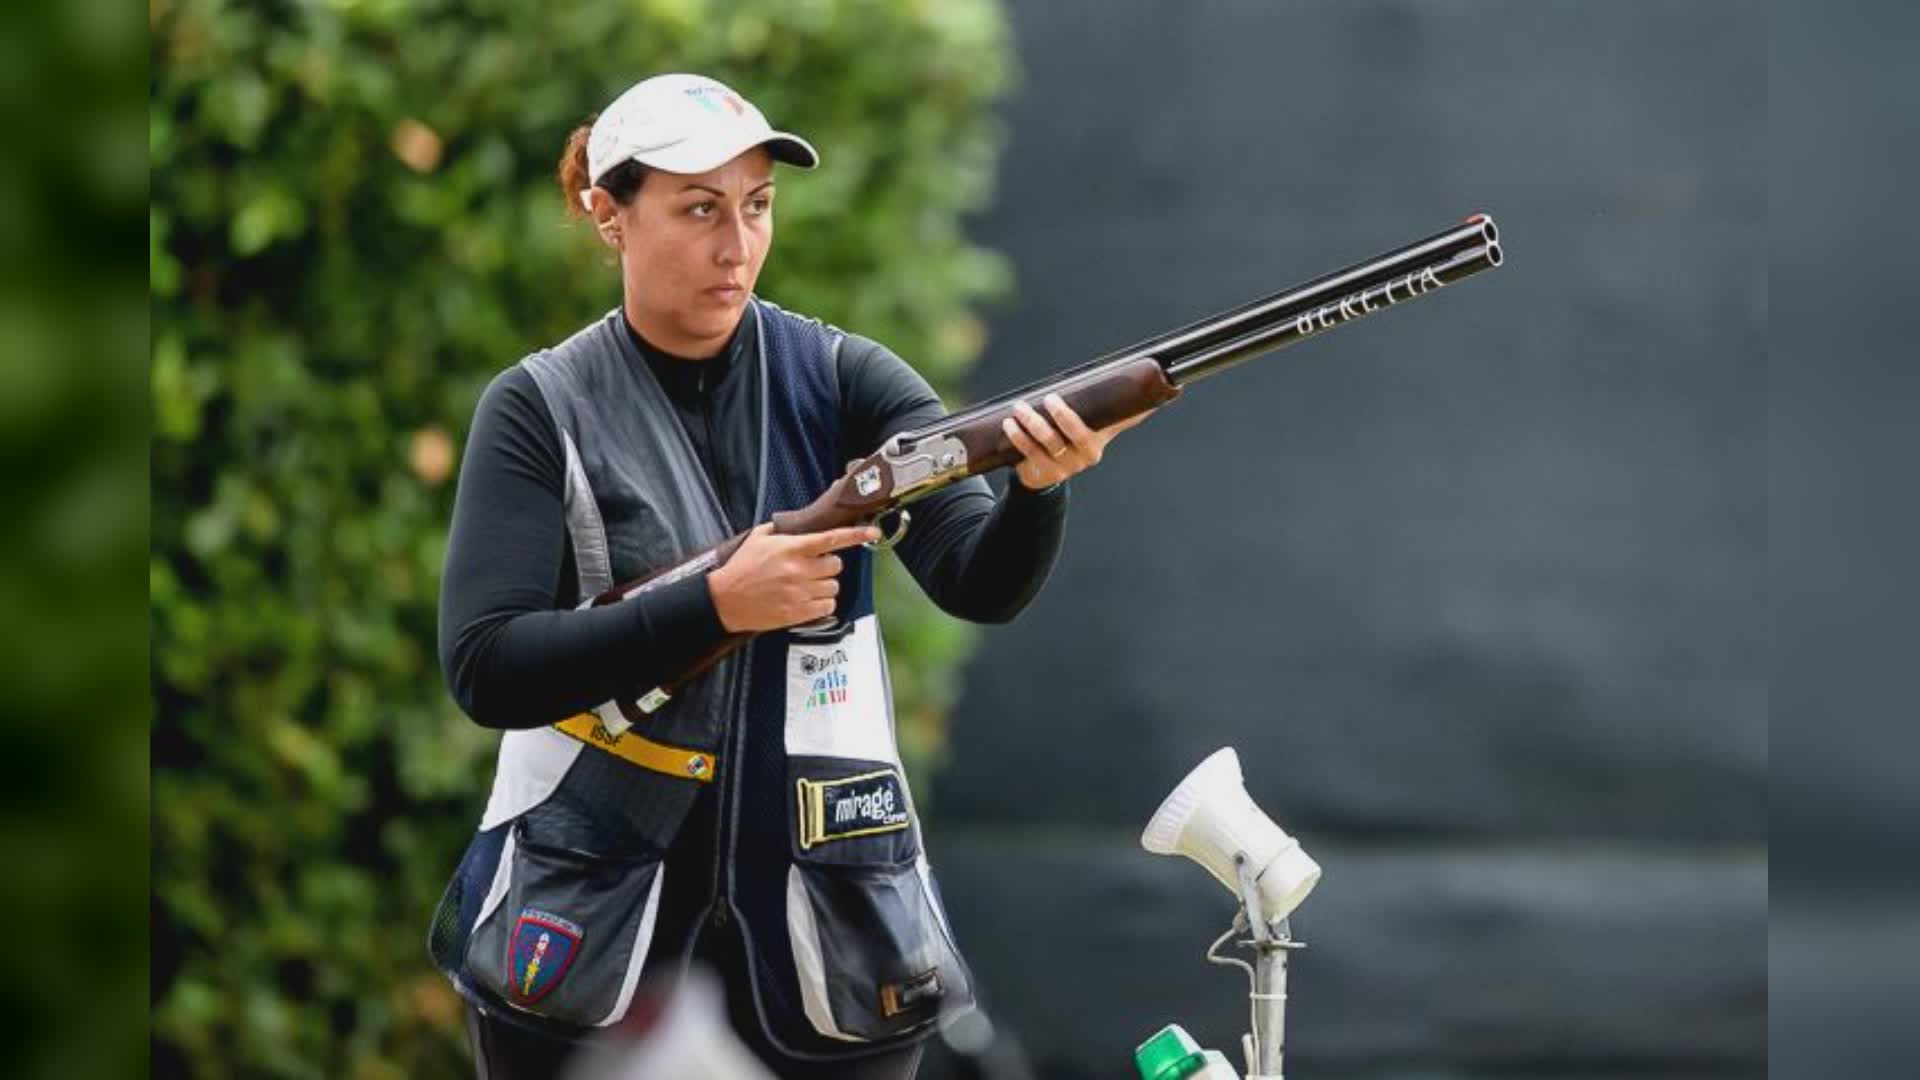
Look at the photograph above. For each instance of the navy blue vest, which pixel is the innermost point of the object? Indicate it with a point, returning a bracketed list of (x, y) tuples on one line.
[(550, 916)]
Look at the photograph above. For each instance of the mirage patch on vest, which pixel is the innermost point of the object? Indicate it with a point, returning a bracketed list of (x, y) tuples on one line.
[(863, 805), (539, 952)]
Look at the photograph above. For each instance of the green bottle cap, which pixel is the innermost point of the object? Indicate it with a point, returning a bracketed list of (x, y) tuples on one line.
[(1169, 1055)]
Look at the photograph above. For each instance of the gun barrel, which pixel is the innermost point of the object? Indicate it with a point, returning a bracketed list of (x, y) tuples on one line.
[(1317, 310), (1219, 341), (1178, 345)]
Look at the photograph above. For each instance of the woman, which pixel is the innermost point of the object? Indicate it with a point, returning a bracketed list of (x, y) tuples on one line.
[(759, 822)]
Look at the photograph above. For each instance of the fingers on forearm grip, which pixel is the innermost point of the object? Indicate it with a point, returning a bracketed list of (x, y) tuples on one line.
[(1022, 441), (1043, 432), (1069, 421)]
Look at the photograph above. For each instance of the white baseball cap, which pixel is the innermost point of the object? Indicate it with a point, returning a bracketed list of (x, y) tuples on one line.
[(685, 124)]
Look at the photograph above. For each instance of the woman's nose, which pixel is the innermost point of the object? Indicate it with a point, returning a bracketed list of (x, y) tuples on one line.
[(734, 246)]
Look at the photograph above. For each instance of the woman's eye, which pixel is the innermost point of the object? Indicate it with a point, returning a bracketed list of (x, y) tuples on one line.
[(701, 209), (760, 206)]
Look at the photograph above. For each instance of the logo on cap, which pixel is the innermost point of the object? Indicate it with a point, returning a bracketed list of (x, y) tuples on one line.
[(705, 96)]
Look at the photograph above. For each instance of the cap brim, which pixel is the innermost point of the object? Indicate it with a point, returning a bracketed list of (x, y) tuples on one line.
[(692, 156), (793, 150)]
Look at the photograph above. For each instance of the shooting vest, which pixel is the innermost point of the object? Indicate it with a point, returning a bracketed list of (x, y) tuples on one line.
[(551, 913)]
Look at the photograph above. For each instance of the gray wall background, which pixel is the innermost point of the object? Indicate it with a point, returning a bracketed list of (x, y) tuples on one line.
[(1476, 588)]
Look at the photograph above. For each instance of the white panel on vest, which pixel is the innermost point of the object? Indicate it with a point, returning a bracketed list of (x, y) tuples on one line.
[(532, 763), (837, 697)]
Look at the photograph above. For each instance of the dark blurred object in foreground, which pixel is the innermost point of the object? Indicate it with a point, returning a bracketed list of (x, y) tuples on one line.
[(73, 335)]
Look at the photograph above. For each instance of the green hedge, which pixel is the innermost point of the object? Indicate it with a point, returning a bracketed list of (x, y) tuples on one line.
[(352, 229)]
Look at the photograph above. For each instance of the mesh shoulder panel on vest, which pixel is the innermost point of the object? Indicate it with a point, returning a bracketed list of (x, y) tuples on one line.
[(804, 450)]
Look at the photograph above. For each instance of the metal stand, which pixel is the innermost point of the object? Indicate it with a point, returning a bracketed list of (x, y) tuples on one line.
[(1267, 975)]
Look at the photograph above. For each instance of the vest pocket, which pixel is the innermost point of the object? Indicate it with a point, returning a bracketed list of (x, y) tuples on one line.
[(871, 947), (873, 954), (565, 933)]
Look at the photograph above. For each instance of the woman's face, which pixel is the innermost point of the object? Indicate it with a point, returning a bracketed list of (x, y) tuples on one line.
[(691, 248)]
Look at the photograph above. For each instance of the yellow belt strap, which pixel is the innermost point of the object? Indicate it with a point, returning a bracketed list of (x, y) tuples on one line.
[(644, 752)]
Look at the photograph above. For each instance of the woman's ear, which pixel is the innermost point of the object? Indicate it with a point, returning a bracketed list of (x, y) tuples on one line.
[(605, 213)]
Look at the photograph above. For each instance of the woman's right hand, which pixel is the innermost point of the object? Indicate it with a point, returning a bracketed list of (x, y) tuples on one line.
[(775, 581)]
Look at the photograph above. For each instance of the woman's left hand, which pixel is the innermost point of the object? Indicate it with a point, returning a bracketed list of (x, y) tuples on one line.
[(1059, 444)]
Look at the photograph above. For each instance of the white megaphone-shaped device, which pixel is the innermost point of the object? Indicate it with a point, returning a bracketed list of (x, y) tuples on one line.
[(1210, 819)]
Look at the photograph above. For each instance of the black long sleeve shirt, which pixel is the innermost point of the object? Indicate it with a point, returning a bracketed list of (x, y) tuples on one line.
[(515, 651)]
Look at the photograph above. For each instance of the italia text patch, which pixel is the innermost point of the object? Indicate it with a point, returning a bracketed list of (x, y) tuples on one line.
[(826, 675), (851, 806)]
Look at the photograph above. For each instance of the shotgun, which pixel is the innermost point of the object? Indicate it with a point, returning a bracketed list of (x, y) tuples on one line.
[(1103, 391)]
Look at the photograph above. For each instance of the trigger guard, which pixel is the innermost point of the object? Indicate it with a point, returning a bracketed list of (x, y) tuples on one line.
[(890, 539)]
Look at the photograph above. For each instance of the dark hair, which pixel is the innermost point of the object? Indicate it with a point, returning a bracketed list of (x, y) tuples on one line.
[(622, 181)]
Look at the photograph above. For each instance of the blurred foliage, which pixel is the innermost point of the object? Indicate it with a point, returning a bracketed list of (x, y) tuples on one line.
[(73, 647), (352, 228)]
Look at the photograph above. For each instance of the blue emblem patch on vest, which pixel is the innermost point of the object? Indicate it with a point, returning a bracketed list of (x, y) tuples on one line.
[(539, 952)]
